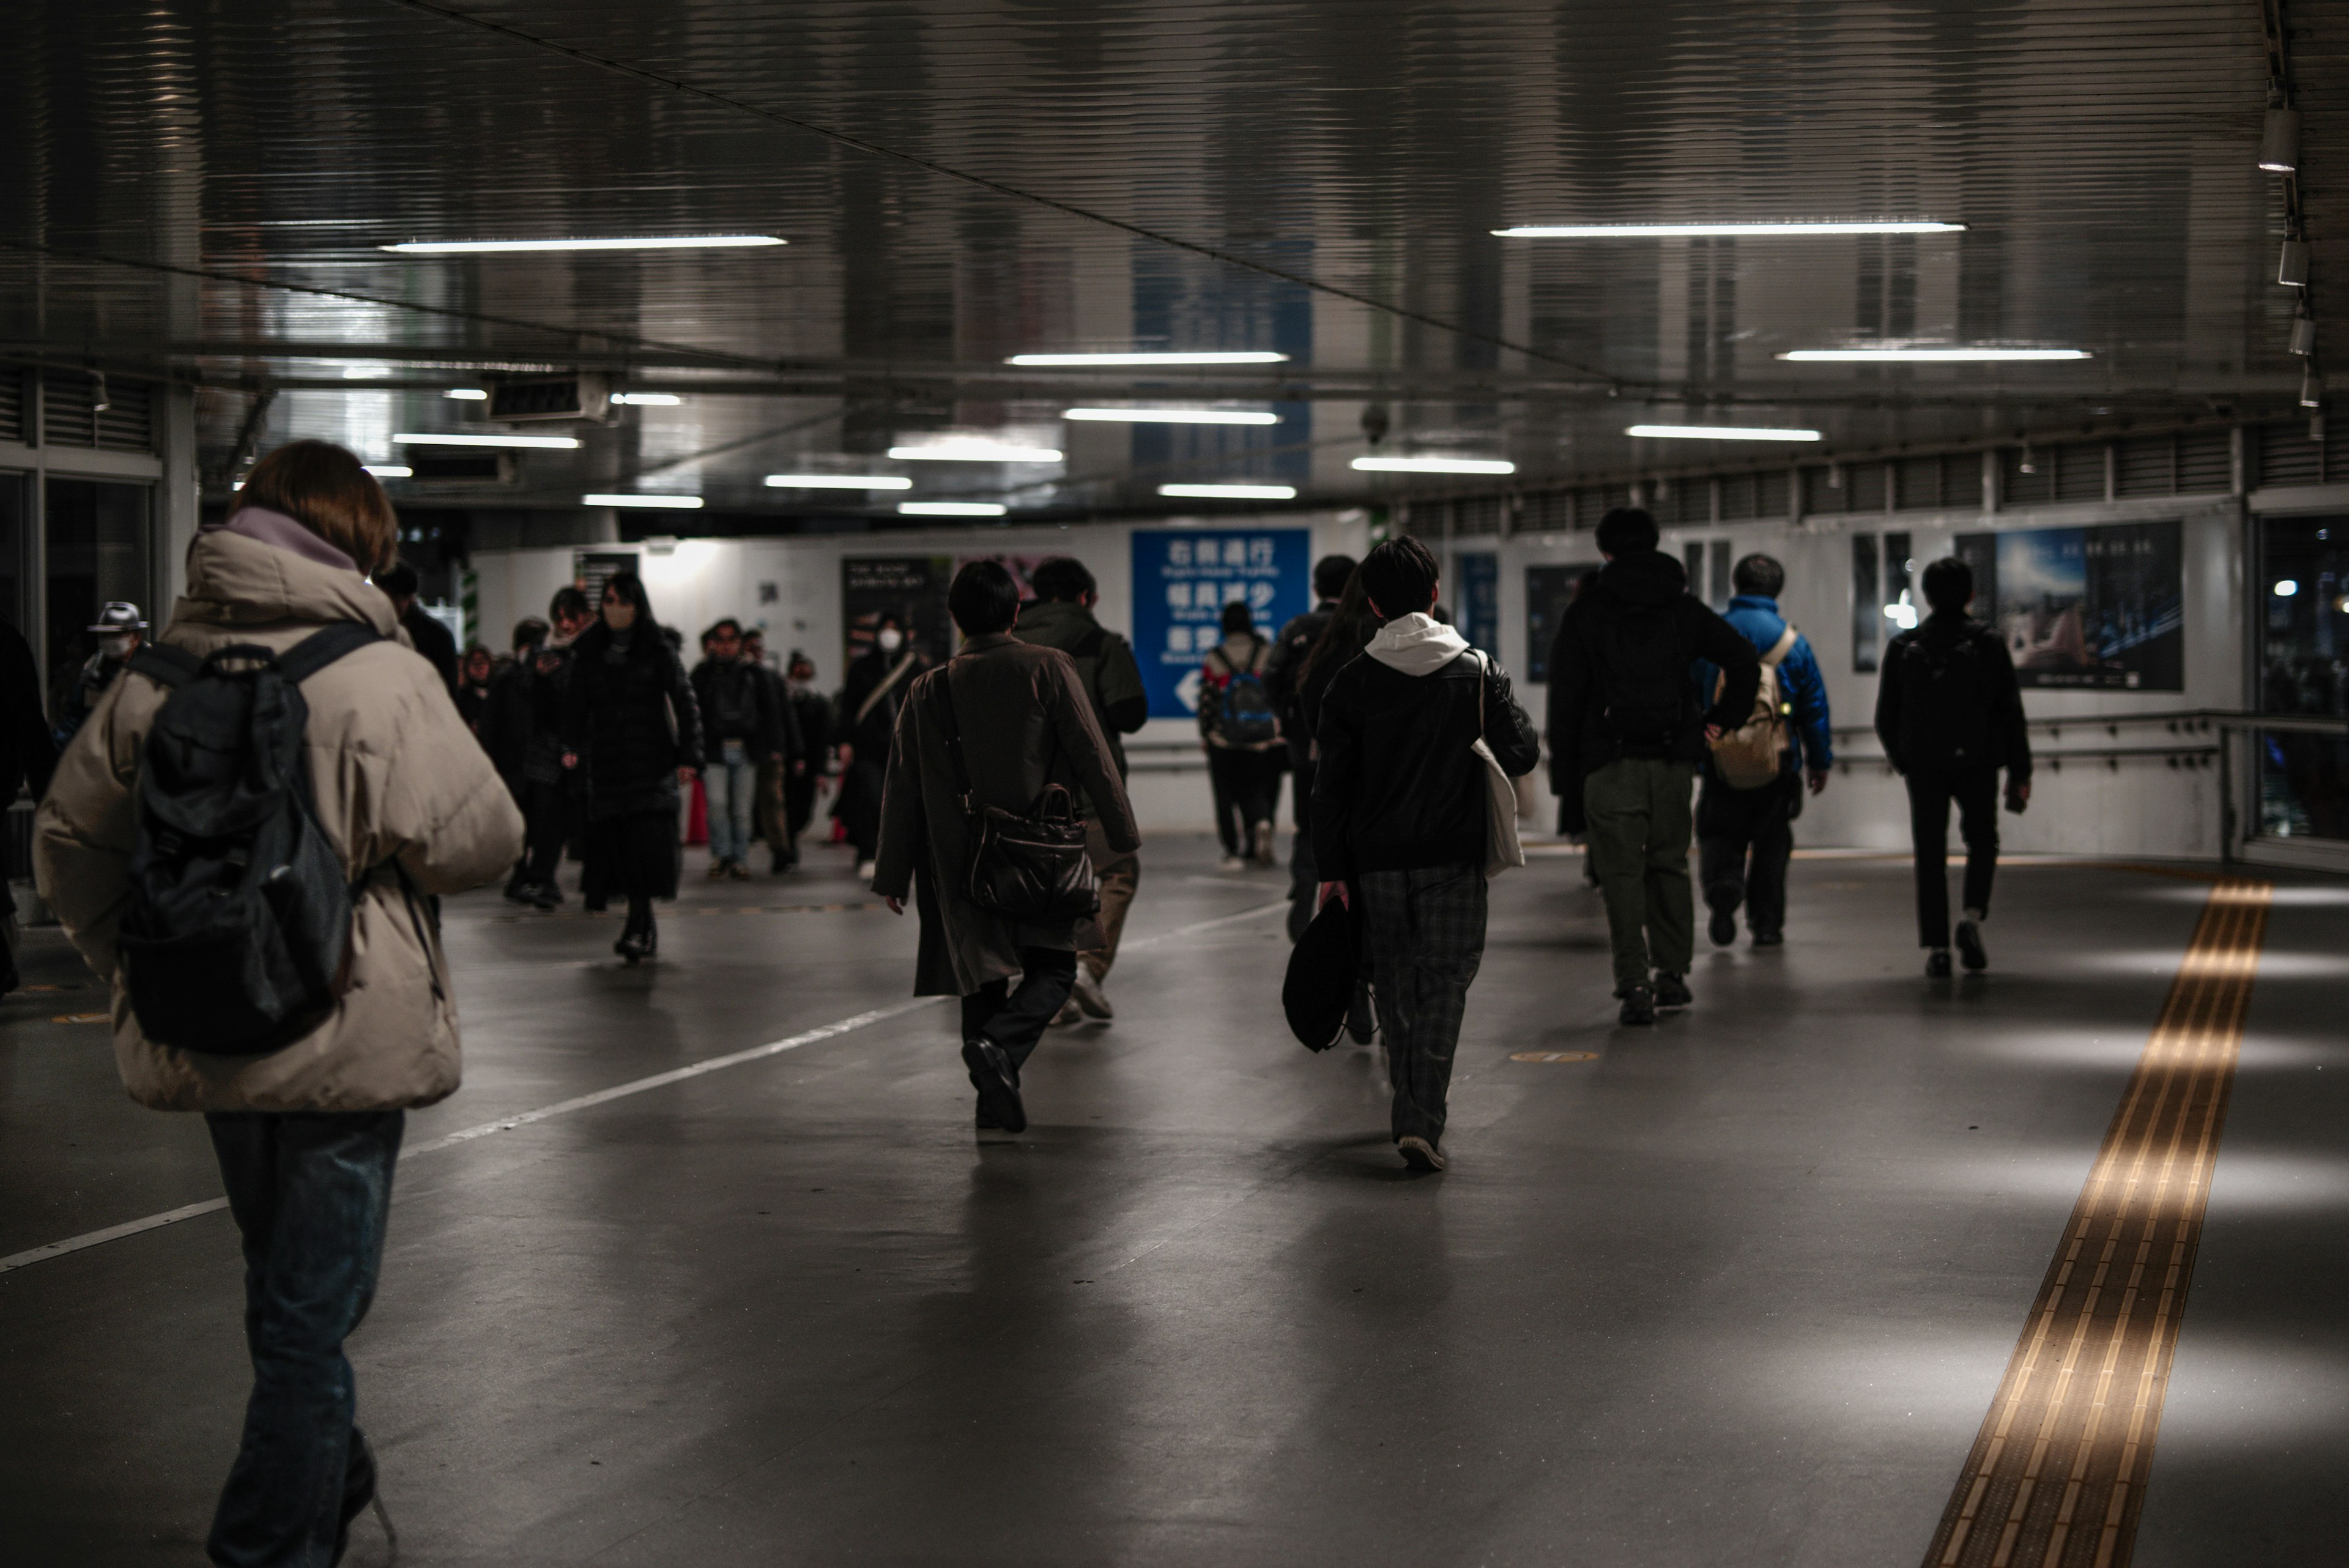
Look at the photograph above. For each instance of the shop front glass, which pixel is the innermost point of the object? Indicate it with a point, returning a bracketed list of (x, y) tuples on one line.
[(97, 540), (2303, 670)]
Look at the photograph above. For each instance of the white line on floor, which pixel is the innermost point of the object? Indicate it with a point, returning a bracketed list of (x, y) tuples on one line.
[(88, 1239)]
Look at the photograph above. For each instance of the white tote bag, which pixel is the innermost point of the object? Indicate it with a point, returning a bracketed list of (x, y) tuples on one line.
[(1502, 849)]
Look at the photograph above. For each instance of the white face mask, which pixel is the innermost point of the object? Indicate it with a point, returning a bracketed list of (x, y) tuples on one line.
[(889, 639)]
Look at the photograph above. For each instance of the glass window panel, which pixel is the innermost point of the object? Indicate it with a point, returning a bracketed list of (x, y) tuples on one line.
[(1867, 604), (1692, 557), (1900, 581), (97, 539), (1719, 597), (13, 489), (2303, 613)]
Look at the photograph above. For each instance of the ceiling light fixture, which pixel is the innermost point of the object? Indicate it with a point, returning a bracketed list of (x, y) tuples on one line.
[(2303, 333), (664, 502), (559, 444), (975, 451), (389, 469), (1172, 416), (1250, 357), (1232, 492), (1702, 231), (2312, 388), (1434, 465), (1928, 355), (838, 481), (2280, 141), (1719, 432), (951, 508), (648, 399), (468, 394), (2291, 266), (664, 243)]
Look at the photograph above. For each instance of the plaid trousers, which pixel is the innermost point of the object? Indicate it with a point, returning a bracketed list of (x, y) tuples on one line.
[(1425, 930)]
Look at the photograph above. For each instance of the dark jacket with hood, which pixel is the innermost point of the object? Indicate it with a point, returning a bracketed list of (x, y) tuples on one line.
[(1397, 787), (1291, 650), (1104, 662), (738, 702), (629, 713), (1949, 701), (1640, 600)]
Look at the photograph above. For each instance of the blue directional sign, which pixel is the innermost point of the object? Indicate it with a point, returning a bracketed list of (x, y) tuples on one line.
[(1183, 578)]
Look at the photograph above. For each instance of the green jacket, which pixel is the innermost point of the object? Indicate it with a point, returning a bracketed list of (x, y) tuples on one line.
[(1105, 662)]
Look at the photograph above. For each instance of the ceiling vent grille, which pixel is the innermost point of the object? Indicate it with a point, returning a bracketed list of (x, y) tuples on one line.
[(68, 417), (128, 423), (2206, 461)]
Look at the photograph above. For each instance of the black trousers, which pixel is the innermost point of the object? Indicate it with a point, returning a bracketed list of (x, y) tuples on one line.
[(1929, 794), (1245, 781), (1745, 839), (1304, 875), (1016, 1020), (548, 820)]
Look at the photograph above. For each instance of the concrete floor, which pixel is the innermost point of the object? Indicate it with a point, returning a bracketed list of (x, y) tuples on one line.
[(1736, 1289)]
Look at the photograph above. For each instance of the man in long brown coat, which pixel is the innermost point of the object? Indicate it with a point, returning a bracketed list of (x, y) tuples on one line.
[(1026, 724)]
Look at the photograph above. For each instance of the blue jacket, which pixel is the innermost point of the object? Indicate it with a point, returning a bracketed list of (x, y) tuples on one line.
[(1799, 680)]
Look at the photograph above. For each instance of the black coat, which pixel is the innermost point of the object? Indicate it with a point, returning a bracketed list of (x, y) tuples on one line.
[(738, 703), (504, 727), (1290, 649), (1396, 786), (1581, 739), (1949, 700), (872, 733), (811, 714), (433, 641), (631, 718), (26, 753)]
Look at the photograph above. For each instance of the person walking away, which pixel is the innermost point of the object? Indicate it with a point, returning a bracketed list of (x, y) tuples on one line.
[(306, 1133), (474, 673), (28, 754), (775, 773), (548, 804), (1402, 820), (1745, 836), (740, 733), (1291, 651), (429, 637), (812, 717), (120, 631), (1626, 732), (1062, 618), (868, 716), (504, 728), (1240, 733), (1949, 712), (632, 728), (1025, 724)]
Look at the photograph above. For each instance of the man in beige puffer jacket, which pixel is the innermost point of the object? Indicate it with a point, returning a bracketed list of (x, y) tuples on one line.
[(307, 1136)]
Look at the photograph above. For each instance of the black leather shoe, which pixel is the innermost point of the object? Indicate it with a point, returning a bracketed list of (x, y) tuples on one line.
[(1638, 1006), (1769, 939), (1971, 951), (1671, 991), (1937, 964), (997, 1083), (1723, 927)]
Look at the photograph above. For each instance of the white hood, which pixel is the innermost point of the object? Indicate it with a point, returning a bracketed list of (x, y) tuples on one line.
[(1416, 645)]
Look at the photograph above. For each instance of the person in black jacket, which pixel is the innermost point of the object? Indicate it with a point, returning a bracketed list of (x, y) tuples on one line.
[(770, 823), (1625, 737), (866, 719), (428, 636), (548, 787), (1949, 713), (812, 716), (27, 757), (741, 731), (1402, 822), (1291, 651), (632, 728)]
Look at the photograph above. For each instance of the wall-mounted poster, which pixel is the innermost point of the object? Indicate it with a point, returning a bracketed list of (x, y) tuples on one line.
[(1548, 590), (1022, 568), (1182, 578), (1476, 598), (2102, 608), (911, 587)]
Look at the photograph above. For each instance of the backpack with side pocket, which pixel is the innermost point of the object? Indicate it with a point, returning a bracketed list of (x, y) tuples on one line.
[(237, 936), (1244, 715), (1645, 698), (1753, 755)]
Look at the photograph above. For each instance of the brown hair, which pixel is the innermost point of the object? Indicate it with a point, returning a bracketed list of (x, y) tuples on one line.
[(323, 487)]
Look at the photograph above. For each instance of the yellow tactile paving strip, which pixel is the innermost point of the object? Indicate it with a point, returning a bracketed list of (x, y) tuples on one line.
[(2058, 1475)]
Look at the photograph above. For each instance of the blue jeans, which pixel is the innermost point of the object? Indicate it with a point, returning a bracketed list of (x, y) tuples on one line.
[(731, 783), (310, 1193)]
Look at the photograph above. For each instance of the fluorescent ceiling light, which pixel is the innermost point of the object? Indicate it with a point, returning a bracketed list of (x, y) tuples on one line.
[(975, 451), (665, 502), (1700, 230), (665, 243), (1233, 491), (467, 394), (1173, 416), (389, 469), (1719, 432), (560, 443), (649, 399), (1928, 355), (951, 508), (1434, 465), (1253, 357), (838, 481)]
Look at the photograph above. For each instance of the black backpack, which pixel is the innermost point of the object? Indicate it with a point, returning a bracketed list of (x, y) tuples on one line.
[(239, 920), (1944, 704), (1645, 694)]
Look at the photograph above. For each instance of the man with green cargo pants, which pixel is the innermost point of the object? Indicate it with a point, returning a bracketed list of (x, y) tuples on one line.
[(1625, 736)]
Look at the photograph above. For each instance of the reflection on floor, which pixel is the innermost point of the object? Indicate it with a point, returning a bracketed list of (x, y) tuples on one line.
[(1739, 1289)]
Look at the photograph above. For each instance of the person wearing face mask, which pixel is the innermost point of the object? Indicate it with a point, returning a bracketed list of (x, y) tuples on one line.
[(867, 713), (120, 631), (811, 711)]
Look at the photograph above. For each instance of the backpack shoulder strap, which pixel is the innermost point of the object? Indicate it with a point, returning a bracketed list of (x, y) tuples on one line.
[(320, 649), (1780, 649), (166, 666)]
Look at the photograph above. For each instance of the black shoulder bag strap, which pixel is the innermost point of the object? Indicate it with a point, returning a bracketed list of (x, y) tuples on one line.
[(322, 648), (952, 731)]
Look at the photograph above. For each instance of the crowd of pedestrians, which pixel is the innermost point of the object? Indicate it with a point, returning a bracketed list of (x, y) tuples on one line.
[(988, 790)]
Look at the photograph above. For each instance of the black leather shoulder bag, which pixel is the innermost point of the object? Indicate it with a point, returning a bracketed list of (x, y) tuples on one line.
[(1031, 868)]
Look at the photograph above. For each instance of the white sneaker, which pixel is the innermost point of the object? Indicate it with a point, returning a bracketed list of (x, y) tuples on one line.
[(1070, 1013), (1231, 863), (1264, 843), (1087, 994), (865, 869)]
